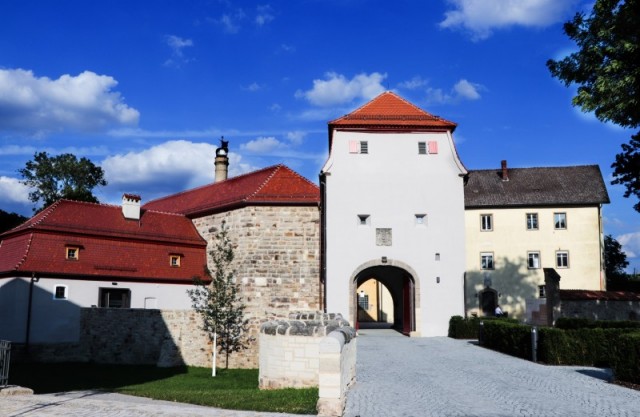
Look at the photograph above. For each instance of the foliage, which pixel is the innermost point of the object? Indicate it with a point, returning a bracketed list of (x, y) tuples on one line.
[(219, 303), (626, 363), (615, 259), (507, 337), (233, 389), (566, 323), (10, 220), (61, 176), (467, 328), (608, 77)]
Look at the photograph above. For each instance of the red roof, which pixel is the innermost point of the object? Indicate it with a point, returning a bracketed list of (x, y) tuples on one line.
[(390, 111), (110, 246), (598, 295), (276, 185)]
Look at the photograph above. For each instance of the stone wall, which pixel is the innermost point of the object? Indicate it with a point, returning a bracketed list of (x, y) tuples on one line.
[(277, 263)]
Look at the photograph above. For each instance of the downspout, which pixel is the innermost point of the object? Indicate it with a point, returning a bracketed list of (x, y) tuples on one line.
[(29, 303), (323, 239)]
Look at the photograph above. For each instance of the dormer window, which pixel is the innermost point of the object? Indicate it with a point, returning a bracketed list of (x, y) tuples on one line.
[(174, 260), (72, 253)]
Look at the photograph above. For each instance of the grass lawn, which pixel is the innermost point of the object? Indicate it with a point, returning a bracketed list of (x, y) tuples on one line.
[(231, 389)]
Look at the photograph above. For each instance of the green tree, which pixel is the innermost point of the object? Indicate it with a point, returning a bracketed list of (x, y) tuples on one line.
[(61, 176), (606, 71), (615, 260), (219, 302), (10, 220)]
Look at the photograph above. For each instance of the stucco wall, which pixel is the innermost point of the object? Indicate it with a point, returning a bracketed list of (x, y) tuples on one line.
[(510, 241), (392, 183), (277, 251)]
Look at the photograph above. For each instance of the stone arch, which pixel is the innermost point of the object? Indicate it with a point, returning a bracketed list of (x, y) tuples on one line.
[(384, 270)]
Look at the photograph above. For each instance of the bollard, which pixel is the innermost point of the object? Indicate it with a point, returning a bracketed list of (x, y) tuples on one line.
[(481, 333), (534, 344)]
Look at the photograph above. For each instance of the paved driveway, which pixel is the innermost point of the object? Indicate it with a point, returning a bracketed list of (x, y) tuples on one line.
[(399, 376)]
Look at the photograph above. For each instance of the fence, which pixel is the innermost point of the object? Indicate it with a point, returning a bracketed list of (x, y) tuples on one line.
[(5, 356)]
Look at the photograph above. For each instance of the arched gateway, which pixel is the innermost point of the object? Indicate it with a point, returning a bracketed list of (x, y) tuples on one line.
[(369, 304)]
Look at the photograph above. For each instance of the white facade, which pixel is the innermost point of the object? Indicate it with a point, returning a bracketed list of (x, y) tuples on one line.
[(396, 213)]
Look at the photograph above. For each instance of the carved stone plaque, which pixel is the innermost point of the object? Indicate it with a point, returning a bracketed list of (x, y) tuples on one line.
[(383, 237)]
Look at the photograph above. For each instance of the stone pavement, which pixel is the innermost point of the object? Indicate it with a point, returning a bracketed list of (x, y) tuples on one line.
[(399, 376)]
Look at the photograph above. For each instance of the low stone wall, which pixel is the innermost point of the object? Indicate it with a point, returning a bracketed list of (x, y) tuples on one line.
[(309, 350)]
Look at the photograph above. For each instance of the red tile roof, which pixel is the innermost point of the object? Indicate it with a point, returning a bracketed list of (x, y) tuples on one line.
[(276, 185), (569, 295), (110, 246), (390, 111)]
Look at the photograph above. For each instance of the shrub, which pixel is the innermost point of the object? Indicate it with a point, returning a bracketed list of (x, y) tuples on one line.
[(626, 361), (461, 328), (580, 323), (508, 337)]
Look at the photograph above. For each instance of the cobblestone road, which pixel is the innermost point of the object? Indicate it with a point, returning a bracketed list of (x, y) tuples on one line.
[(399, 376)]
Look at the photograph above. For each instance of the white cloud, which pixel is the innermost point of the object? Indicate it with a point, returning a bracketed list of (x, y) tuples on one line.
[(467, 90), (462, 90), (337, 89), (253, 87), (480, 17), (296, 137), (264, 15), (30, 150), (262, 145), (231, 22), (177, 44), (169, 167), (630, 244), (414, 83), (12, 190), (38, 105)]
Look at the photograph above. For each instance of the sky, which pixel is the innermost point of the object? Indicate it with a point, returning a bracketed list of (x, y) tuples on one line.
[(146, 89)]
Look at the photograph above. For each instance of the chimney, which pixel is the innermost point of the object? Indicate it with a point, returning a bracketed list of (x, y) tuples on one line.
[(131, 206), (505, 172), (222, 160)]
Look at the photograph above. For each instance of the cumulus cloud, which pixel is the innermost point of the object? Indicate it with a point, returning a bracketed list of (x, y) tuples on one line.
[(12, 190), (38, 105), (462, 90), (337, 89), (262, 145), (480, 17), (630, 244), (414, 83), (296, 137), (167, 168)]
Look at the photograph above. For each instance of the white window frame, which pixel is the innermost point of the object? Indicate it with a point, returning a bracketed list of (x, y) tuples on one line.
[(55, 292), (530, 217), (564, 256), (489, 256), (484, 225), (536, 256), (562, 218)]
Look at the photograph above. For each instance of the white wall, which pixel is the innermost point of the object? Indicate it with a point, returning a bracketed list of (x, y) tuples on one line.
[(393, 183)]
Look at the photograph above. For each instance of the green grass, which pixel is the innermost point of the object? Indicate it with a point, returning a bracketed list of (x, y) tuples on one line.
[(235, 389)]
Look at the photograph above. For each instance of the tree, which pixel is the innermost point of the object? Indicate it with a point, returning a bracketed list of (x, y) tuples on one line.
[(10, 220), (607, 73), (219, 303), (62, 176), (615, 260)]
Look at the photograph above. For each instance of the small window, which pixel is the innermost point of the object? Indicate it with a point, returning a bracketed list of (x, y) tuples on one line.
[(358, 146), (421, 219), (364, 219), (486, 260), (363, 301), (60, 292), (532, 221), (486, 222), (364, 146), (72, 253), (115, 297), (562, 259), (560, 220), (422, 148), (533, 260), (542, 293), (174, 260), (433, 147)]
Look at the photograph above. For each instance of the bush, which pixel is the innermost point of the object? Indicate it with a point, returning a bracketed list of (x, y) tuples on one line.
[(461, 328), (508, 337), (626, 362), (579, 323)]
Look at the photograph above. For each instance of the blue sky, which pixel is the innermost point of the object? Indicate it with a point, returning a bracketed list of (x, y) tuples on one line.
[(146, 89)]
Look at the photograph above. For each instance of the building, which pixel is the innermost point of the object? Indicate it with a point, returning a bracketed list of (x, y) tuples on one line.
[(393, 211), (75, 254), (521, 220)]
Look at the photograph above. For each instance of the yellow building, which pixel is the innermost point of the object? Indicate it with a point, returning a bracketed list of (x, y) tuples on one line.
[(519, 221)]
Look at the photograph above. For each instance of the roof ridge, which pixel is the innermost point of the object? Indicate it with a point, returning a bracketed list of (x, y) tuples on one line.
[(26, 252), (538, 167), (300, 176), (275, 168)]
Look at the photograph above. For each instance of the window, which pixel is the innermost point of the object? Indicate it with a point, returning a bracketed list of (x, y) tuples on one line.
[(486, 222), (421, 219), (174, 260), (486, 260), (363, 301), (364, 147), (542, 293), (433, 147), (422, 148), (72, 253), (115, 297), (562, 259), (60, 292), (358, 146), (533, 260), (532, 221), (560, 220), (364, 219)]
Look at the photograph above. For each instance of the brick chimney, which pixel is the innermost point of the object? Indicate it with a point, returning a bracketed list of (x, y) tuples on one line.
[(131, 206), (222, 160), (505, 171)]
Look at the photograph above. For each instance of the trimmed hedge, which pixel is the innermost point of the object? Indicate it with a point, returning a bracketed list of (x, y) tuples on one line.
[(467, 328), (508, 337), (626, 363), (578, 323)]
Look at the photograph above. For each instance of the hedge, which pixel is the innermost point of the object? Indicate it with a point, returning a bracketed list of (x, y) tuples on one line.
[(579, 323), (507, 337), (626, 363), (467, 328)]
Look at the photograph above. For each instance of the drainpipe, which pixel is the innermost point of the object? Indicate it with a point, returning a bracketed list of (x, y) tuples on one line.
[(28, 331), (323, 239)]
